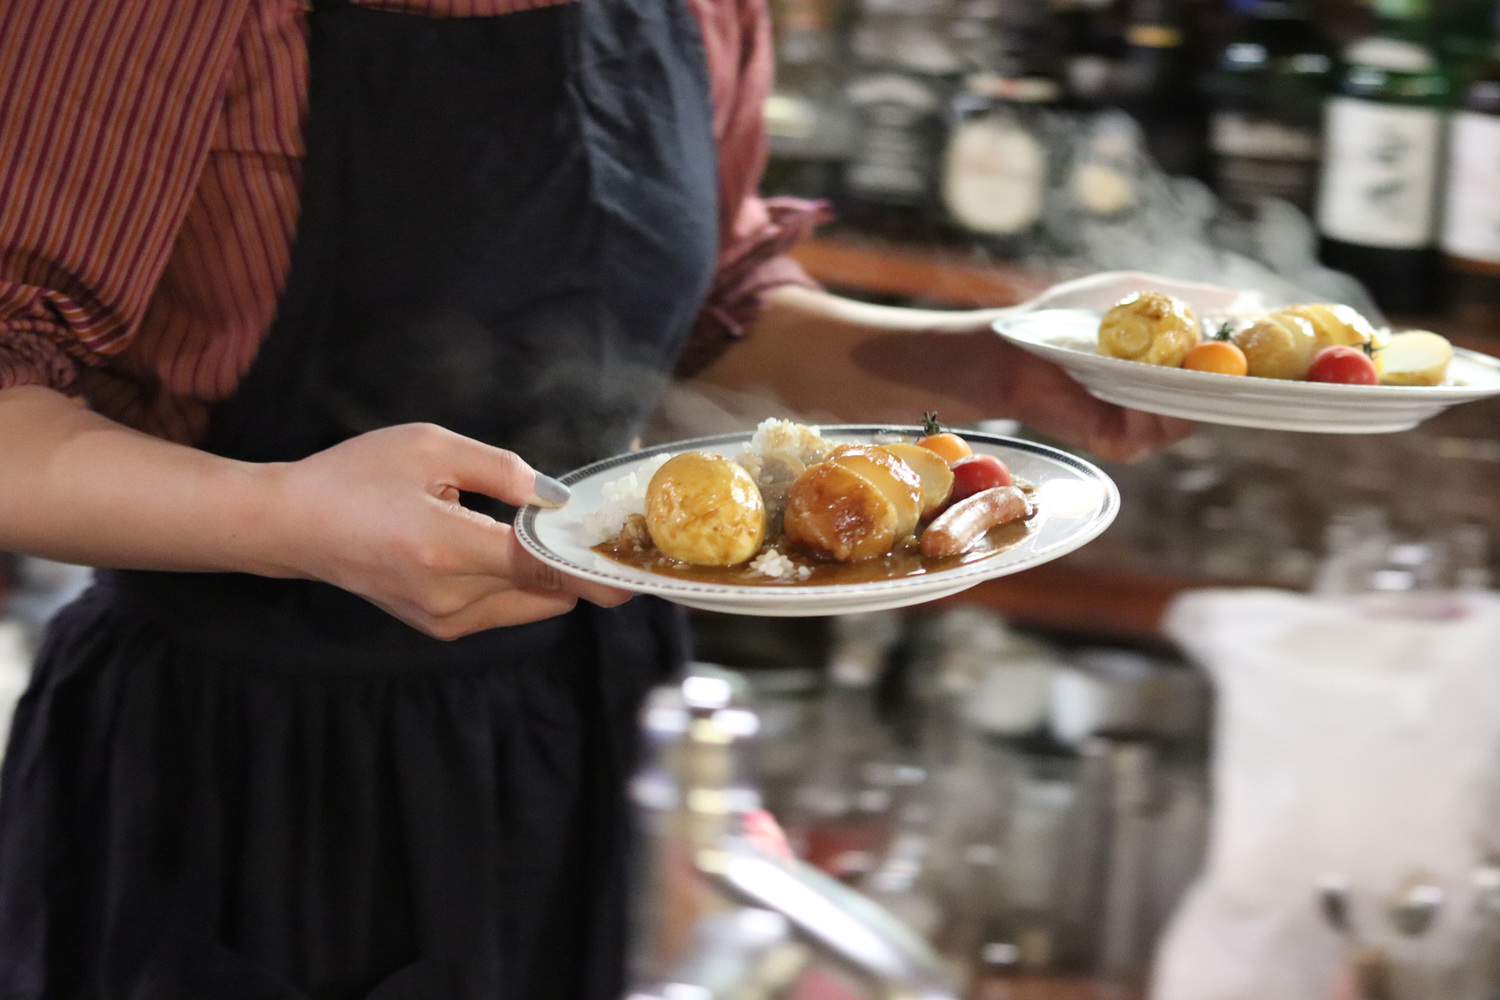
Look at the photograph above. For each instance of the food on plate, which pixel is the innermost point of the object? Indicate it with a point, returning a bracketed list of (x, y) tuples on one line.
[(961, 525), (932, 468), (945, 443), (1279, 345), (1335, 325), (1416, 357), (835, 512), (796, 508), (706, 510), (893, 477), (1220, 356), (1344, 364), (1292, 343), (976, 474), (1153, 327)]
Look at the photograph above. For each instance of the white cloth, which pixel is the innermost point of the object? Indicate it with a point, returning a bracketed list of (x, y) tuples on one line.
[(1347, 742)]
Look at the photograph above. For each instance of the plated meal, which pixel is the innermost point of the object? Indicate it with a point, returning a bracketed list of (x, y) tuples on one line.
[(795, 509), (798, 520), (1224, 356)]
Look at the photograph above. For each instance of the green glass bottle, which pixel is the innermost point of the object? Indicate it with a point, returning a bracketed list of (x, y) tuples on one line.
[(1383, 138)]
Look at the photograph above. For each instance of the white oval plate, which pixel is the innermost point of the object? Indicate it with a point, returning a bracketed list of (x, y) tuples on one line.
[(1062, 325), (1075, 502)]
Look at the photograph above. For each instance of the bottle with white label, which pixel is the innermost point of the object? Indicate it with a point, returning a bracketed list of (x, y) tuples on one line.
[(1383, 141), (1471, 220), (997, 166), (1267, 93)]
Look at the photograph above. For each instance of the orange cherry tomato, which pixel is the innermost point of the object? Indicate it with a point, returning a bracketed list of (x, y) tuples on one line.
[(1217, 356), (947, 444)]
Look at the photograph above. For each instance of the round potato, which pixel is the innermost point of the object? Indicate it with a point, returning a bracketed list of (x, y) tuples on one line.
[(1278, 346), (837, 513), (1153, 327), (704, 509)]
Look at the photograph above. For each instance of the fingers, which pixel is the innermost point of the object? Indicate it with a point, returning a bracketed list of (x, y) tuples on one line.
[(1048, 399), (465, 464), (1130, 435)]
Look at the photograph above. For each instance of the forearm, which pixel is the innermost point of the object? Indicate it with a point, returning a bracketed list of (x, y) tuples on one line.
[(859, 362), (77, 487)]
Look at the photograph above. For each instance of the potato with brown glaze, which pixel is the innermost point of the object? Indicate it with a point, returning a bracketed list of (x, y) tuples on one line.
[(1280, 345), (932, 469), (893, 477), (704, 509), (834, 512), (1153, 327)]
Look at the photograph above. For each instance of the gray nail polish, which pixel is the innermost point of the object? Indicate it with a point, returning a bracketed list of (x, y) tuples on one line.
[(548, 492)]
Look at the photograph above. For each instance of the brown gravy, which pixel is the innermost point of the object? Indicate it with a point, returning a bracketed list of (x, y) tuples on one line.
[(904, 561)]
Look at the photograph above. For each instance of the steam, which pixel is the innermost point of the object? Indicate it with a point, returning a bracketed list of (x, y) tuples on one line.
[(1174, 226)]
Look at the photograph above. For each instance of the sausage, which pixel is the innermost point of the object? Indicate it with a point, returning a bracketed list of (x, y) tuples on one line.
[(957, 529)]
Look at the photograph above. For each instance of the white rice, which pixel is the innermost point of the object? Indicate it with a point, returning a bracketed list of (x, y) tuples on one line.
[(778, 567), (621, 498)]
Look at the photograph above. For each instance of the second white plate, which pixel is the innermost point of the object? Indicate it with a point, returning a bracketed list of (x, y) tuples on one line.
[(1062, 326)]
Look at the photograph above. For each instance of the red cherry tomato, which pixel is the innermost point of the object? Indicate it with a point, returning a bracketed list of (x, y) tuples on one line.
[(975, 474), (1343, 363)]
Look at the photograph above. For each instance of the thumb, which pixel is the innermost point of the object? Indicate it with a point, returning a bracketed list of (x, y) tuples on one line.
[(480, 468)]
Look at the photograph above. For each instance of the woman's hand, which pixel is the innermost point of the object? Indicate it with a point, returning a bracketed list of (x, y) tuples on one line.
[(379, 515)]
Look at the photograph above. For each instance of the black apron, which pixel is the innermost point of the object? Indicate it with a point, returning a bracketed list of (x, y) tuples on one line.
[(223, 786)]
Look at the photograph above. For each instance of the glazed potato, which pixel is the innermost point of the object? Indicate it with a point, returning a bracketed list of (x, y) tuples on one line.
[(932, 469), (1153, 327), (1278, 346), (893, 477), (706, 510), (835, 512)]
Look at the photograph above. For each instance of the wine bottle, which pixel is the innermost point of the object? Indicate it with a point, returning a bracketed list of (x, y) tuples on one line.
[(1267, 93), (1471, 226), (1383, 136)]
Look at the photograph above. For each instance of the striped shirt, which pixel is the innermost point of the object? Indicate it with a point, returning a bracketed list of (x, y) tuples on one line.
[(150, 160)]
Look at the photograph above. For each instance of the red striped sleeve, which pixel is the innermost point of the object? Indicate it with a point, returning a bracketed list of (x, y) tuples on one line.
[(108, 108), (150, 157)]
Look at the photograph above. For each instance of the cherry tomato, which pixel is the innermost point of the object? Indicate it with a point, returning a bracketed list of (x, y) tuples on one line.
[(1217, 356), (976, 474), (1343, 363), (952, 447)]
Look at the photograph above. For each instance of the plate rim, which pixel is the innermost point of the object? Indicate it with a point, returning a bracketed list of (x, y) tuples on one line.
[(667, 587)]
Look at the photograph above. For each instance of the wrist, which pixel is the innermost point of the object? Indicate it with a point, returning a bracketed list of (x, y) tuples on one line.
[(255, 517)]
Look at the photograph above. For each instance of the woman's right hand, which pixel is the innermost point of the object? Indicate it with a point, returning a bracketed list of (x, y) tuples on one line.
[(379, 515)]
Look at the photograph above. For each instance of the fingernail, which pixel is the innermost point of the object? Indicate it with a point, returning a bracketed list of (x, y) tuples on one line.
[(548, 492)]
